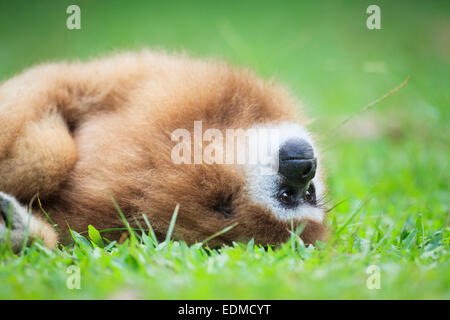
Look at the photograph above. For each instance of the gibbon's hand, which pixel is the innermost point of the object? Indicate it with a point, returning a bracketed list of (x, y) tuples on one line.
[(13, 228)]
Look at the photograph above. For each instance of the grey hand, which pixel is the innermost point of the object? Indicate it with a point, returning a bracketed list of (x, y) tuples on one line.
[(15, 215)]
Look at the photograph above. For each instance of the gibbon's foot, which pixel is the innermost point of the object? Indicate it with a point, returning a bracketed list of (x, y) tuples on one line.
[(15, 215)]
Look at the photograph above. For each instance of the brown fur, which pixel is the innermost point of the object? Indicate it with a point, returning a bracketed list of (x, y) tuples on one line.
[(81, 133)]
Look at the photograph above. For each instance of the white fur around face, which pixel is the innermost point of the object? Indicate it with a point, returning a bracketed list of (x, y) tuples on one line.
[(263, 188)]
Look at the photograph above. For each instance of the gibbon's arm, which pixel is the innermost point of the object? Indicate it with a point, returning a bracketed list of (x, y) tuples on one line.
[(40, 107), (38, 110), (71, 90)]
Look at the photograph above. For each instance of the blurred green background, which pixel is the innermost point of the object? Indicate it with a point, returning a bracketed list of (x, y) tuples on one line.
[(397, 153)]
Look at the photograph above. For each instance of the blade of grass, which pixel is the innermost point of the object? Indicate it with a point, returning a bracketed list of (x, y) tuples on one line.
[(150, 228), (27, 228), (112, 229), (124, 220), (370, 105), (51, 221), (172, 224), (226, 229)]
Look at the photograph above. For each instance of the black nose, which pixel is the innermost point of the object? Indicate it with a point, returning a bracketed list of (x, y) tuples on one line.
[(297, 163)]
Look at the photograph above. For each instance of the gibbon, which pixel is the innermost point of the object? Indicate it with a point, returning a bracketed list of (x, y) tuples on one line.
[(88, 137)]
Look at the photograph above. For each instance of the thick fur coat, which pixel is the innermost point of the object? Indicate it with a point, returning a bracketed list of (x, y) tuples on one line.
[(80, 134)]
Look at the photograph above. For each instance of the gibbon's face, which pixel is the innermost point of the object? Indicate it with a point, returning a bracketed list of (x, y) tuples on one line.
[(295, 189), (264, 202)]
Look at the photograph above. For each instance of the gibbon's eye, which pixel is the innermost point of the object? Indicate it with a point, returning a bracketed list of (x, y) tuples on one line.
[(224, 205), (310, 194), (288, 197)]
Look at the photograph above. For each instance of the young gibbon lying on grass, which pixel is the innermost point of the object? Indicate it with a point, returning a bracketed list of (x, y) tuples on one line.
[(81, 134)]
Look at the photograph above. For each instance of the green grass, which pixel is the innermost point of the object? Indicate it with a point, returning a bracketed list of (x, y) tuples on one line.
[(388, 168)]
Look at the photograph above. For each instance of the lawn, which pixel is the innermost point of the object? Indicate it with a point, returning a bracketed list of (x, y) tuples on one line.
[(387, 166)]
